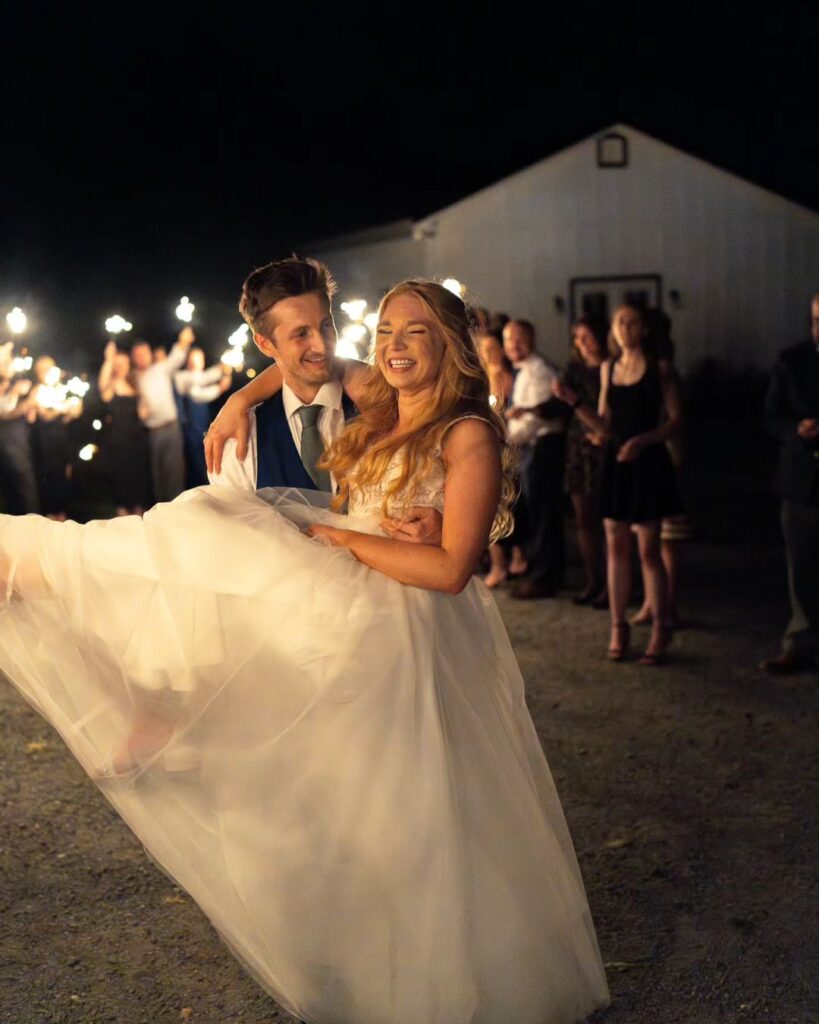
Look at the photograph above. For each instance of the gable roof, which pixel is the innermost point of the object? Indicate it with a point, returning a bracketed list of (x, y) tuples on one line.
[(658, 144), (407, 228)]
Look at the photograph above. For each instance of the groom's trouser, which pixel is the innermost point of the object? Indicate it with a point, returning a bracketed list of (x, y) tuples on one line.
[(800, 526)]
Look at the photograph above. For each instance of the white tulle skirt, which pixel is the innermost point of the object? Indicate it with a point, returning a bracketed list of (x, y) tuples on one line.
[(349, 785)]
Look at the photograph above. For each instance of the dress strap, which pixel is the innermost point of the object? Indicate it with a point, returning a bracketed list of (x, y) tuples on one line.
[(468, 416)]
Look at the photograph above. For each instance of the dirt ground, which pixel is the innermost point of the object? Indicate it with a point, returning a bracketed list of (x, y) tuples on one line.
[(690, 790)]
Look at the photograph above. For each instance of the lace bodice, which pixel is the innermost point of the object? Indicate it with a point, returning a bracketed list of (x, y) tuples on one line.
[(368, 501)]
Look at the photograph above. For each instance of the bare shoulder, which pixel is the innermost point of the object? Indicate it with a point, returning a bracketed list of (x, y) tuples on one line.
[(468, 437)]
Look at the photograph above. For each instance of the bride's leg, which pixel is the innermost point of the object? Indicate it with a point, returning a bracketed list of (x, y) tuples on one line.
[(23, 578), (150, 730)]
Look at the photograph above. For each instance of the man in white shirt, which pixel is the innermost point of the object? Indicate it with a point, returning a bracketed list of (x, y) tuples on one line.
[(537, 425), (154, 382), (196, 387)]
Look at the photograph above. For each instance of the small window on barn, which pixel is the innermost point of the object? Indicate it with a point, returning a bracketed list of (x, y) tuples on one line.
[(612, 150)]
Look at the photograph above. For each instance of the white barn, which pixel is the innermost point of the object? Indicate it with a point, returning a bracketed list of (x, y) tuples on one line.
[(617, 214)]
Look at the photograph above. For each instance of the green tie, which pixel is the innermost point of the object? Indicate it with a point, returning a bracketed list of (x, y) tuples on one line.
[(312, 446)]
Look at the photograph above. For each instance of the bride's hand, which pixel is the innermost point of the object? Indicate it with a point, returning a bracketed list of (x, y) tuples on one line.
[(338, 538), (420, 525), (232, 421)]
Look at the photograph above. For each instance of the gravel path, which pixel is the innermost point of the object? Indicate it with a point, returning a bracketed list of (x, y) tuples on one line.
[(690, 792)]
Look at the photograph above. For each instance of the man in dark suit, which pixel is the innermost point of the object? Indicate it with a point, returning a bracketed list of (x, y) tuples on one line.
[(287, 305), (792, 415)]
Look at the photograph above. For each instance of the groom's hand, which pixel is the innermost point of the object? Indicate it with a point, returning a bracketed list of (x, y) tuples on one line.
[(420, 525)]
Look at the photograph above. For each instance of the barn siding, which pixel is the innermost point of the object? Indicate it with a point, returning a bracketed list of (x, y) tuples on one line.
[(744, 261)]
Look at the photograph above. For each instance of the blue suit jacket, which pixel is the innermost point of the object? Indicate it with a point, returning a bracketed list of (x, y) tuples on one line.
[(278, 462)]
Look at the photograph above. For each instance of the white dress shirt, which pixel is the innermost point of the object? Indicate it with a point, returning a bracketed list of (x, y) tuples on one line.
[(155, 386), (330, 424), (534, 384), (199, 385)]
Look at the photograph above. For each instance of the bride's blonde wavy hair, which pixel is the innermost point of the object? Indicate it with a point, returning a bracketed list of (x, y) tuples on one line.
[(362, 454)]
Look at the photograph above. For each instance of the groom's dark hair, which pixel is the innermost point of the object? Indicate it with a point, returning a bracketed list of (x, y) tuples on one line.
[(282, 279)]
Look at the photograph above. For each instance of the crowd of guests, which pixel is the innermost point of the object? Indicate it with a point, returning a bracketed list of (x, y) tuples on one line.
[(604, 431), (601, 436), (156, 406)]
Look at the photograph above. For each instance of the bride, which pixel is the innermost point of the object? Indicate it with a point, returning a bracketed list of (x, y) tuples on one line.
[(328, 742)]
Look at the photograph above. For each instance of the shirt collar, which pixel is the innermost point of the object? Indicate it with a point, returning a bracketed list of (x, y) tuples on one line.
[(533, 357), (329, 395)]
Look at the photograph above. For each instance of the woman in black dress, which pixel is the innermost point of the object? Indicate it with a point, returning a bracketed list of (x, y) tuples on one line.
[(127, 437), (638, 411), (50, 417)]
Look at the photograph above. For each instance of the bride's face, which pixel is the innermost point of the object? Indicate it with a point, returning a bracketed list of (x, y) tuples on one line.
[(408, 346)]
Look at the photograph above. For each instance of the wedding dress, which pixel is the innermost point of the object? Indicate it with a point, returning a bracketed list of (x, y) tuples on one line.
[(350, 785)]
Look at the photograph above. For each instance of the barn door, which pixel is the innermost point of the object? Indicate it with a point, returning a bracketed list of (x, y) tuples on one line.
[(602, 295)]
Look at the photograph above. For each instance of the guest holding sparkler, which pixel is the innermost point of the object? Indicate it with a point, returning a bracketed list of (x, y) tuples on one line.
[(51, 409), (198, 386), (18, 484), (127, 438), (154, 382)]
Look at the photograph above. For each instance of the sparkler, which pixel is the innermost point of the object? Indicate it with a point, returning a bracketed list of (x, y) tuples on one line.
[(58, 396), (17, 320), (21, 364), (240, 337), (454, 286), (354, 332), (234, 357), (116, 324), (355, 308), (184, 311)]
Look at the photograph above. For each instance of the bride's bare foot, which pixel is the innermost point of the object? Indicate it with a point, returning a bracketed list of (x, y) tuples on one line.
[(148, 735)]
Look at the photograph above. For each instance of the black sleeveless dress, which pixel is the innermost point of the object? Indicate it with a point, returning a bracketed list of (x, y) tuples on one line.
[(129, 455), (52, 456), (645, 488)]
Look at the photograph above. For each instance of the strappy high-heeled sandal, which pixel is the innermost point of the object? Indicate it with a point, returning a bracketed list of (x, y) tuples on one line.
[(619, 650), (657, 656)]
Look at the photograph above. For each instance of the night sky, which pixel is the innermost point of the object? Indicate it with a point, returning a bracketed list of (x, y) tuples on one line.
[(151, 149)]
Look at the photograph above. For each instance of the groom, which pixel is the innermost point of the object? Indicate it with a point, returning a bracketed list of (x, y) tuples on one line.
[(287, 305)]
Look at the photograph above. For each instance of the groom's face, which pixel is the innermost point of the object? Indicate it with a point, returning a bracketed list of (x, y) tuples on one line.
[(302, 339)]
